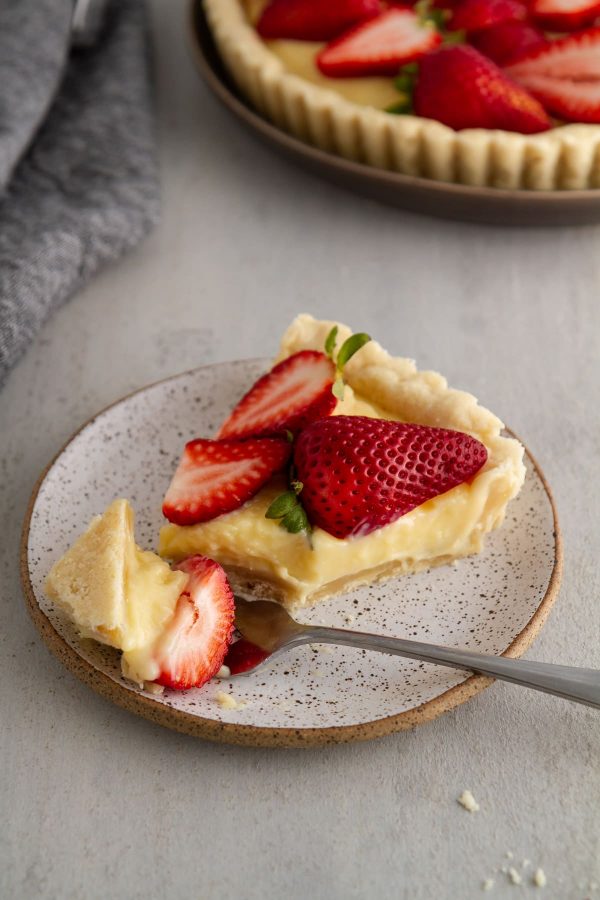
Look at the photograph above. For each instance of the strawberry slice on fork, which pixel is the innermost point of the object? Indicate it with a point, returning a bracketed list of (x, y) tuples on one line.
[(191, 649)]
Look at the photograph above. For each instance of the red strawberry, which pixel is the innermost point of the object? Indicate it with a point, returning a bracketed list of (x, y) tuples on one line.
[(192, 647), (359, 474), (509, 41), (475, 15), (564, 15), (379, 47), (565, 76), (461, 88), (313, 20), (244, 655), (215, 477), (292, 394)]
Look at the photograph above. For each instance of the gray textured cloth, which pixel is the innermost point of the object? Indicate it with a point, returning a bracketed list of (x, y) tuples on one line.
[(86, 186)]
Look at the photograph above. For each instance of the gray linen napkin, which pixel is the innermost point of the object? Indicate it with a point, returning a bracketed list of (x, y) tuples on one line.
[(86, 186)]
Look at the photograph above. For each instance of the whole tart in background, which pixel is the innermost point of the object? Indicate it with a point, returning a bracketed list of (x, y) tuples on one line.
[(336, 116)]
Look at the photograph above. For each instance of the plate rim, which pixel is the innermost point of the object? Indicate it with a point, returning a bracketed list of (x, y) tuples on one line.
[(260, 735), (588, 196)]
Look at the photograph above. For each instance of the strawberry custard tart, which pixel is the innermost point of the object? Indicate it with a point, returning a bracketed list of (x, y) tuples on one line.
[(498, 93), (341, 466)]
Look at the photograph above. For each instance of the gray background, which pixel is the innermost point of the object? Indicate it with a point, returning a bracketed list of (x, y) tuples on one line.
[(97, 803)]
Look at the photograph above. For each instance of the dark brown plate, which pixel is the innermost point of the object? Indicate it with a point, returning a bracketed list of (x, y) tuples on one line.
[(423, 195)]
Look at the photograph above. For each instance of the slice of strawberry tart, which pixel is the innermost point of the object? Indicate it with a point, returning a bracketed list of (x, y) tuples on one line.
[(341, 466)]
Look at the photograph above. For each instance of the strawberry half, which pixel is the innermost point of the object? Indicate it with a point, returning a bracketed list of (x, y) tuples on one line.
[(564, 15), (379, 47), (508, 42), (192, 647), (565, 76), (216, 477), (313, 20), (359, 474), (461, 88), (475, 15), (294, 393)]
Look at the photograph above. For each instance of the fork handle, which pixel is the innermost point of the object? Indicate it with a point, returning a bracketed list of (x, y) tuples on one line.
[(570, 682)]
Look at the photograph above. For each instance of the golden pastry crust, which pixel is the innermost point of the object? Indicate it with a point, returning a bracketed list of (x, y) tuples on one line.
[(566, 158)]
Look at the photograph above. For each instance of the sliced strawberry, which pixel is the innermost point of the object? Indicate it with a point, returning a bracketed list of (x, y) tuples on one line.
[(295, 392), (508, 42), (380, 46), (565, 76), (216, 477), (313, 20), (569, 100), (475, 15), (244, 655), (191, 649), (461, 88), (564, 15), (359, 474)]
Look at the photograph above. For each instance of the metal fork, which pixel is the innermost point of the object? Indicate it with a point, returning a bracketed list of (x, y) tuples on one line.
[(267, 625)]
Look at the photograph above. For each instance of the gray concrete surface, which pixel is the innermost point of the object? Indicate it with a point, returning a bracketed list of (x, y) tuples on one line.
[(97, 804)]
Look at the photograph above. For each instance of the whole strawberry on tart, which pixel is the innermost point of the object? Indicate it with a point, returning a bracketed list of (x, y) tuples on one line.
[(498, 92), (340, 466)]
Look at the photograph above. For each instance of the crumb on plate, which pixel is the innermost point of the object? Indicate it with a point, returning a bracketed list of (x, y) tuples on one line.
[(228, 701)]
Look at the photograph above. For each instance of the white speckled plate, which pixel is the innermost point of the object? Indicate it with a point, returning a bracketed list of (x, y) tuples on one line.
[(495, 602)]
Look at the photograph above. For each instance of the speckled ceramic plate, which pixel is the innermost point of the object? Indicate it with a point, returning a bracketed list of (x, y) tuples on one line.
[(494, 603)]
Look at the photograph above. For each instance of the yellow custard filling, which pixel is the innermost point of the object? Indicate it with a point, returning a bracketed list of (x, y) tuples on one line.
[(299, 57), (261, 557), (112, 590)]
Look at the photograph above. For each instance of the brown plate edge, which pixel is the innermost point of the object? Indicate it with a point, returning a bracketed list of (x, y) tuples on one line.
[(253, 735), (504, 207)]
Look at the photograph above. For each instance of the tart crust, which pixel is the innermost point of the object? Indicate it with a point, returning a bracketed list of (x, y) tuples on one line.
[(263, 560), (565, 158)]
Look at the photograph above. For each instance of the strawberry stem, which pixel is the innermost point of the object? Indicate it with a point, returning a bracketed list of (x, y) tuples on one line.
[(289, 510)]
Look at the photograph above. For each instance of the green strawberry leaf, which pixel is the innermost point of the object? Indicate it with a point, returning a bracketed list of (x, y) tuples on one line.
[(296, 520), (288, 509), (455, 37), (403, 108), (282, 505), (330, 341), (404, 83), (351, 346)]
